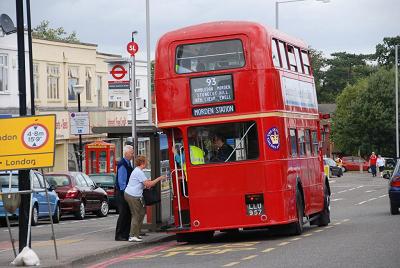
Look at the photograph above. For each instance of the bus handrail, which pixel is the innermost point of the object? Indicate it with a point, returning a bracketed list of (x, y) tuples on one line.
[(184, 192), (247, 131), (177, 183)]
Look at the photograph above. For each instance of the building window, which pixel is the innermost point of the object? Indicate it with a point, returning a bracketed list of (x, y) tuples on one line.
[(53, 76), (99, 85), (88, 84), (73, 79), (3, 73), (36, 80)]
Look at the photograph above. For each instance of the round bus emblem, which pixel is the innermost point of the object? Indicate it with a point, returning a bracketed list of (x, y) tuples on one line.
[(272, 138), (35, 136)]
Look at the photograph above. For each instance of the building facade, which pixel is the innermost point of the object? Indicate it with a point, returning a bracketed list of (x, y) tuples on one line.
[(57, 67)]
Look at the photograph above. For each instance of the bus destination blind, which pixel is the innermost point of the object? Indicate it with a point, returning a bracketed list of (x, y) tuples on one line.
[(211, 89)]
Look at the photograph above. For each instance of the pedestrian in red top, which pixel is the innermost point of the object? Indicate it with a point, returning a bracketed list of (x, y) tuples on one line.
[(372, 163)]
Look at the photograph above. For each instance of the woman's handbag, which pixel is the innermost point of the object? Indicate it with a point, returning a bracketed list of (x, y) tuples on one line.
[(151, 196)]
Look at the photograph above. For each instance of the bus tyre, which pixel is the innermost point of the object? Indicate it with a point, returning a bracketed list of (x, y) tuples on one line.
[(325, 215), (297, 227)]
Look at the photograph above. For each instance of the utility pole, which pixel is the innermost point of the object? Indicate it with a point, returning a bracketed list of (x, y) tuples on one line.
[(23, 175)]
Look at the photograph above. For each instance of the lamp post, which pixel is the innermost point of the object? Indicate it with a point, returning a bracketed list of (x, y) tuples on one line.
[(396, 62), (285, 2), (78, 89)]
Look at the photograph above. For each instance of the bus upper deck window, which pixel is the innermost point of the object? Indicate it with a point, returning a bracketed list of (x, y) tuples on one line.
[(282, 51), (275, 53), (306, 62), (292, 59), (210, 56)]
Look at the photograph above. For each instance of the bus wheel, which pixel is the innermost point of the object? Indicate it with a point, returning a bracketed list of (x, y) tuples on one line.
[(325, 215), (297, 227), (198, 237)]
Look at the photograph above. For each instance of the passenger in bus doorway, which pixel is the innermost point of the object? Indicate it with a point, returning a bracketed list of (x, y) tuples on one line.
[(223, 150)]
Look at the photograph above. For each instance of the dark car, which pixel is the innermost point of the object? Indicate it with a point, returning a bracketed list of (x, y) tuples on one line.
[(390, 163), (394, 189), (107, 182), (78, 194), (334, 169), (353, 163), (40, 208)]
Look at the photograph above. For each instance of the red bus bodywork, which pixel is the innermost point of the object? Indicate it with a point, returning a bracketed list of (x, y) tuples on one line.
[(217, 192)]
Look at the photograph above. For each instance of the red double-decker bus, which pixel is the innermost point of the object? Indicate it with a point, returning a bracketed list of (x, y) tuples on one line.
[(238, 103)]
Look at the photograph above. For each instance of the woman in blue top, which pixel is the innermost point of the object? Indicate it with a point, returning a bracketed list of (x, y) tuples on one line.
[(134, 196)]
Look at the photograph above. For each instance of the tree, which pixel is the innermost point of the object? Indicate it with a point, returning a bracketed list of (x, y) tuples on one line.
[(318, 63), (43, 31), (385, 52), (343, 69), (365, 116)]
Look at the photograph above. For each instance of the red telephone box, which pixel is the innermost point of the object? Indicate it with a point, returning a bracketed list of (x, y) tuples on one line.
[(100, 157)]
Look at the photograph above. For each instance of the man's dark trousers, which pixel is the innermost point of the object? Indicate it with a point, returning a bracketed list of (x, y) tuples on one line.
[(124, 218)]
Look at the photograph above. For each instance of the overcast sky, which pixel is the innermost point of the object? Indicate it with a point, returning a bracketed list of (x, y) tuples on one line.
[(354, 26)]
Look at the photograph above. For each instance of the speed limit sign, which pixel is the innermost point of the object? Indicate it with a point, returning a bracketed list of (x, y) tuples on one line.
[(132, 48)]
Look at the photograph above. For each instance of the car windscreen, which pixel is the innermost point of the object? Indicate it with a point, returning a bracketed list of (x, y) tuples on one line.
[(330, 162), (102, 179), (4, 180), (58, 180)]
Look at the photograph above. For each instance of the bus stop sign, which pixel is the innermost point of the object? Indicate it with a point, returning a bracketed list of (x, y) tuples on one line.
[(132, 48)]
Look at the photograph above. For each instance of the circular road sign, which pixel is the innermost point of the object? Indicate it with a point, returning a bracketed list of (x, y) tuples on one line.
[(35, 136), (118, 72), (132, 48)]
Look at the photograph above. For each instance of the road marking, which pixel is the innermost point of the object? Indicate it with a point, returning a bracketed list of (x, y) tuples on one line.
[(328, 227), (231, 264), (305, 235), (352, 189), (336, 199), (268, 250), (362, 202), (283, 244), (345, 220), (332, 181), (342, 191), (361, 186), (249, 257), (319, 230), (372, 199), (295, 239), (338, 223), (382, 196)]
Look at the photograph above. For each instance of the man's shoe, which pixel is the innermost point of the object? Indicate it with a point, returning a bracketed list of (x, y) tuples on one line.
[(134, 239), (142, 234), (121, 239)]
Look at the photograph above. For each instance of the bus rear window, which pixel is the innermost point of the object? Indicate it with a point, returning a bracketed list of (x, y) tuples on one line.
[(221, 143), (210, 56)]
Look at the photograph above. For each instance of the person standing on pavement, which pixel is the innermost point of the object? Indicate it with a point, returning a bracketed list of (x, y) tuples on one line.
[(134, 197), (124, 170), (380, 163), (372, 163)]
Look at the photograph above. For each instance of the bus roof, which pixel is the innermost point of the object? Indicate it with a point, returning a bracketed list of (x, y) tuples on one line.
[(221, 28)]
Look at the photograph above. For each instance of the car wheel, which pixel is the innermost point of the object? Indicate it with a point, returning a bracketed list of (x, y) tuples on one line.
[(80, 215), (103, 211), (35, 216), (3, 222), (57, 214), (297, 227), (394, 210)]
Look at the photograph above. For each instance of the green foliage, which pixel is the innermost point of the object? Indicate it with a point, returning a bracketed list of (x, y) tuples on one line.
[(43, 31), (343, 69), (318, 62), (365, 116), (385, 52)]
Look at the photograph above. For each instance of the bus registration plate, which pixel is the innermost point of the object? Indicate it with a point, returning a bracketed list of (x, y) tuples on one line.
[(254, 204), (255, 209)]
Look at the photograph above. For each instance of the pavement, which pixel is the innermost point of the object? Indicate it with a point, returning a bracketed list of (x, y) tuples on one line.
[(76, 251)]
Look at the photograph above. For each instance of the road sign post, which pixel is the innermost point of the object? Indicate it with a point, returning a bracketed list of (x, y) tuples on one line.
[(132, 48)]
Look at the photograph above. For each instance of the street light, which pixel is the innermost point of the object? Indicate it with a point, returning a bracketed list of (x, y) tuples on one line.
[(285, 2), (78, 89)]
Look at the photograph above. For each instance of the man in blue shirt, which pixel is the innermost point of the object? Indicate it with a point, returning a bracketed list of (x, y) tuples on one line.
[(123, 173)]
